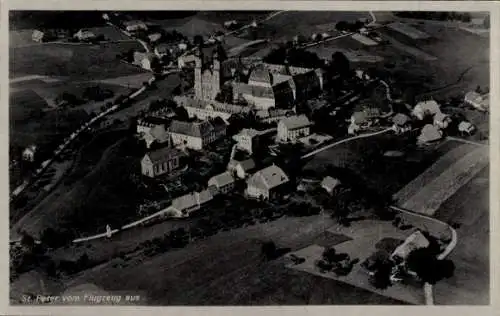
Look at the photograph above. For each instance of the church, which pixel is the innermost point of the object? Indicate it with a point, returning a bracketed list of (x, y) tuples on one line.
[(261, 86)]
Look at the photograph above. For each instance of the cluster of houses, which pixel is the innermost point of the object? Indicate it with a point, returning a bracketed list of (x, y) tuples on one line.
[(82, 35)]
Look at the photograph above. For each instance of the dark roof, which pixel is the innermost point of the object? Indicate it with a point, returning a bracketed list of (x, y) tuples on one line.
[(194, 129), (256, 91), (162, 154)]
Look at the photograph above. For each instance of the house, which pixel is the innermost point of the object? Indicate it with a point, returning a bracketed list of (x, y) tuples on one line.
[(154, 37), (143, 59), (401, 123), (293, 127), (153, 129), (29, 153), (247, 140), (135, 25), (466, 128), (186, 61), (273, 115), (329, 184), (163, 49), (266, 183), (38, 36), (442, 120), (84, 35), (429, 133), (182, 46), (232, 23), (365, 117), (241, 169), (160, 161), (196, 135), (224, 182), (426, 108), (477, 100), (415, 241), (186, 204)]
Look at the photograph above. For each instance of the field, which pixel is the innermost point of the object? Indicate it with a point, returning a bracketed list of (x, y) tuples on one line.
[(75, 62), (365, 158), (227, 269), (469, 208), (407, 30), (434, 186), (74, 203)]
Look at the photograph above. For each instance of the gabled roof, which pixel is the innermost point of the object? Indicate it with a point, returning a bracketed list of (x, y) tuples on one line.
[(268, 178), (194, 129), (162, 154), (295, 122), (430, 133), (415, 241), (440, 116), (222, 179), (191, 200), (246, 165), (329, 183), (400, 119), (431, 107)]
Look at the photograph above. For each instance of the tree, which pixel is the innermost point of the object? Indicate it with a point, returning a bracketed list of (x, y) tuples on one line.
[(27, 241), (428, 268), (330, 255), (268, 249), (342, 26), (198, 40), (381, 278), (181, 113), (340, 64), (156, 65)]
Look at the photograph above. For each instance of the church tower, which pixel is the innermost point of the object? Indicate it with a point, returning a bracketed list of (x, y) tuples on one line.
[(216, 80), (198, 84)]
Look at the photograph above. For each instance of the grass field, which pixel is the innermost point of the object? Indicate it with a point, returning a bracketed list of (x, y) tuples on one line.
[(365, 157), (227, 269), (76, 62), (426, 193), (73, 203), (469, 207)]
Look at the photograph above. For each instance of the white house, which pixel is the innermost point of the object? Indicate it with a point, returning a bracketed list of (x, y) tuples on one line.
[(292, 128), (186, 204), (224, 182), (134, 26), (415, 241), (466, 128), (143, 59), (186, 61), (246, 140), (153, 130), (84, 35), (429, 133), (241, 169), (266, 183), (442, 120), (329, 184), (425, 108), (477, 100), (37, 36), (196, 135), (29, 153)]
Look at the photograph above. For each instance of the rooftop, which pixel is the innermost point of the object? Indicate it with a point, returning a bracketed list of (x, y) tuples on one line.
[(295, 122), (268, 178), (415, 241), (162, 154)]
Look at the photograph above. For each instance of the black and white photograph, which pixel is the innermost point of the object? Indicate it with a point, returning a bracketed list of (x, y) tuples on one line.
[(248, 158)]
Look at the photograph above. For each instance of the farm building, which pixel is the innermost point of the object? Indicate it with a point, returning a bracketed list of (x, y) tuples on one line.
[(143, 60), (442, 120), (38, 36), (196, 135), (29, 153), (266, 183), (134, 26), (154, 37), (160, 161), (224, 182), (466, 128), (84, 35), (425, 108), (430, 133), (477, 100), (292, 128), (329, 184), (191, 202), (415, 241), (241, 169)]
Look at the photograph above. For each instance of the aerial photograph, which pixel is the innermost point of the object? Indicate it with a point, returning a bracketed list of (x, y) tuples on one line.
[(249, 158)]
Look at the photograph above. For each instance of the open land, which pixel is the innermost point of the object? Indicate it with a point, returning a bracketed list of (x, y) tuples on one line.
[(469, 208), (213, 272)]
